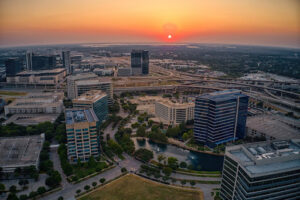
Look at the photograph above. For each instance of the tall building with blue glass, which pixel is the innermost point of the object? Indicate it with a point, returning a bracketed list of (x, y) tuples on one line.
[(220, 117), (95, 99)]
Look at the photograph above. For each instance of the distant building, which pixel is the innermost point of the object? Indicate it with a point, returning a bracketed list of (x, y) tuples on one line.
[(67, 61), (220, 117), (43, 62), (103, 72), (31, 119), (271, 127), (13, 66), (140, 62), (53, 76), (265, 170), (95, 99), (81, 128), (72, 79), (29, 61), (20, 152), (37, 103), (174, 113), (124, 72)]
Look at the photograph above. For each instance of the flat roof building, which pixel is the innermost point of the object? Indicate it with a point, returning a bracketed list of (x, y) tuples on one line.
[(52, 76), (20, 152), (220, 117), (81, 129), (174, 113), (139, 62), (95, 99), (264, 170), (271, 127), (37, 103)]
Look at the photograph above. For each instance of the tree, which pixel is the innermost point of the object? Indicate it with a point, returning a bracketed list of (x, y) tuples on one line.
[(123, 170), (2, 188), (60, 198), (173, 163), (183, 165), (167, 171), (13, 189), (115, 147), (161, 157), (92, 162), (12, 196), (94, 184), (23, 197), (102, 180), (144, 154), (193, 183), (54, 179), (141, 131), (78, 191), (183, 182), (41, 190), (87, 187)]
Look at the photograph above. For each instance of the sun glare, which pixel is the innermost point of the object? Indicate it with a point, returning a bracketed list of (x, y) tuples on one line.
[(169, 36)]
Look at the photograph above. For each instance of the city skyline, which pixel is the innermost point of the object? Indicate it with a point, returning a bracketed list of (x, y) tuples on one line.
[(270, 23)]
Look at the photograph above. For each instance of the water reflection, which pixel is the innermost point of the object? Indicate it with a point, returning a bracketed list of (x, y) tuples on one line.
[(201, 161)]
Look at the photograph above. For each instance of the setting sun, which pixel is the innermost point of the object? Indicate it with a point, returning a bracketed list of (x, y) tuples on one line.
[(169, 36)]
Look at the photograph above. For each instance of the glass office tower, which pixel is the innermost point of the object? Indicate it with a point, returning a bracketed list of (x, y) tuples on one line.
[(220, 117)]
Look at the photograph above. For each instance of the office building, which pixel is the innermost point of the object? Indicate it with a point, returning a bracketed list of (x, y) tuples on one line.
[(29, 61), (174, 113), (67, 61), (261, 171), (20, 152), (124, 72), (95, 99), (139, 62), (37, 103), (72, 79), (49, 77), (13, 66), (220, 117), (81, 128), (43, 62)]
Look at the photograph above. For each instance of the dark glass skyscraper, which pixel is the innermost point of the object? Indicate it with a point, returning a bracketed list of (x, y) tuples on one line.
[(40, 62), (67, 61), (220, 117), (140, 62), (13, 66)]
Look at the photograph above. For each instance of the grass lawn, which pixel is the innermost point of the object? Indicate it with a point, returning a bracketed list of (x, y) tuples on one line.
[(12, 93), (136, 188)]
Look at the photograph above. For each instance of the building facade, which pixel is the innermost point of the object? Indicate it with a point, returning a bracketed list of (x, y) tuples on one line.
[(49, 77), (174, 113), (82, 139), (13, 66), (71, 90), (29, 61), (95, 99), (260, 171), (139, 62), (37, 103), (67, 61), (220, 117), (43, 62)]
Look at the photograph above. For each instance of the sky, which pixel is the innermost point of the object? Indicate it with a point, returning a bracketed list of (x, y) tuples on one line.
[(253, 22)]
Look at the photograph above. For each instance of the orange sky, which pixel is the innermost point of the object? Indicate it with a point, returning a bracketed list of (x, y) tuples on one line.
[(262, 22)]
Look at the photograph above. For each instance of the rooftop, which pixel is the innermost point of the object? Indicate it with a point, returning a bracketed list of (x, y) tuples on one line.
[(272, 126), (36, 72), (93, 81), (267, 157), (80, 115), (92, 95), (82, 76), (20, 151), (223, 95), (169, 103), (31, 119)]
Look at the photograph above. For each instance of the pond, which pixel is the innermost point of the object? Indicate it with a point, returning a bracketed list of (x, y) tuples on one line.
[(202, 161)]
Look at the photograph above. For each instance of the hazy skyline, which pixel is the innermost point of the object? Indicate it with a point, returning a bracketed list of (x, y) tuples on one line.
[(254, 22)]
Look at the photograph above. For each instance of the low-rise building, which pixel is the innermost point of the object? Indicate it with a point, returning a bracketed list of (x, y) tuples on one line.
[(20, 152), (72, 79), (37, 103), (264, 170), (81, 129), (270, 127), (95, 99), (124, 72), (174, 113), (52, 77)]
